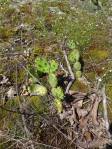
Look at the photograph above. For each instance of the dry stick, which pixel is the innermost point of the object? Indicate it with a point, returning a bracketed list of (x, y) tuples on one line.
[(105, 110), (95, 110), (70, 71)]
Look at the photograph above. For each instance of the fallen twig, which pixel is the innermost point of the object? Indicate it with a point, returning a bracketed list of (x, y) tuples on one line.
[(70, 71), (105, 109)]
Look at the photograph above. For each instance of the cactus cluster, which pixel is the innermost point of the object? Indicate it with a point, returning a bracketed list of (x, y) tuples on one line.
[(57, 92), (44, 66), (74, 58)]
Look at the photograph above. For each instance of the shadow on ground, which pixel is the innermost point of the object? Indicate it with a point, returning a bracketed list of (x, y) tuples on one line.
[(110, 130)]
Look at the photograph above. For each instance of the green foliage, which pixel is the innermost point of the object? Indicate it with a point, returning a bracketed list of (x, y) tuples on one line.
[(37, 90), (42, 65), (71, 44), (45, 66), (58, 93), (53, 66), (99, 54), (52, 79), (58, 105), (38, 104), (37, 26), (77, 66), (4, 1), (78, 74), (74, 56), (107, 77)]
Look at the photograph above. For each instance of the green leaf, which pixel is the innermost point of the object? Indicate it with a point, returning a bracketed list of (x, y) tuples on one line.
[(74, 56), (53, 66), (52, 79), (77, 66), (58, 93), (42, 65), (37, 89)]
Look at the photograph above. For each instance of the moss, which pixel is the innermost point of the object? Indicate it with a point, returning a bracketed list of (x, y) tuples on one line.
[(6, 32), (109, 90), (98, 54), (79, 86), (20, 76), (37, 50)]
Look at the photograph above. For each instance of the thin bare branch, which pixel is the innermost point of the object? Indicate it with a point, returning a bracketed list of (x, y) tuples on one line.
[(70, 71), (105, 108)]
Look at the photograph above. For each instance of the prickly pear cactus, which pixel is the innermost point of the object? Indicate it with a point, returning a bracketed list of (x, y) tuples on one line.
[(45, 66), (58, 105), (78, 74), (52, 79), (58, 93), (53, 66), (77, 66), (37, 89), (71, 44), (42, 65), (74, 56)]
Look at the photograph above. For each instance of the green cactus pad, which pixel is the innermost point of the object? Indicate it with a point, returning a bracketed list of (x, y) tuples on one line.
[(77, 66), (74, 56), (37, 89), (52, 79), (42, 65), (53, 66), (71, 44), (78, 74), (58, 105), (58, 93)]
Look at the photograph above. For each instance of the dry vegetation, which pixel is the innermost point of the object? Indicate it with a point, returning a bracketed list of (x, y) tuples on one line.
[(79, 114)]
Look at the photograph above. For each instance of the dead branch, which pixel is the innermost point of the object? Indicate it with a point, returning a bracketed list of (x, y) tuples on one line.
[(70, 71), (94, 111), (105, 108)]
